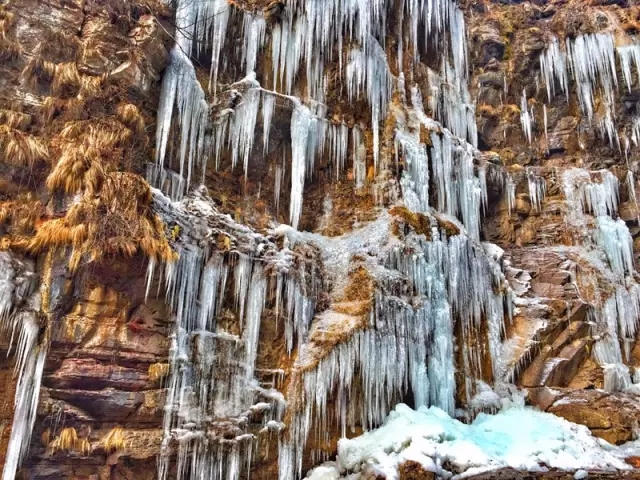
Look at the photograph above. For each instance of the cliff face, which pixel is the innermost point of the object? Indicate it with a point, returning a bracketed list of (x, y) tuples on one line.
[(234, 232)]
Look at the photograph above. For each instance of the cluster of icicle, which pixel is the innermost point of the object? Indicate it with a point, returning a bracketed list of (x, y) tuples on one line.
[(590, 61), (459, 189), (20, 323), (212, 390), (616, 321), (408, 343), (536, 184), (307, 38), (312, 136)]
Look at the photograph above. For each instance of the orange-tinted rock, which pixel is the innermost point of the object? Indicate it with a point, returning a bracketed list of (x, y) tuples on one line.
[(612, 417)]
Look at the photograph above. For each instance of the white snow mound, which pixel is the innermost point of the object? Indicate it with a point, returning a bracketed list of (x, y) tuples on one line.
[(522, 438)]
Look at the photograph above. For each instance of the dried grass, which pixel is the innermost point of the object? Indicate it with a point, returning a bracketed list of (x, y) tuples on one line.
[(77, 168), (46, 437), (130, 115), (15, 120), (38, 72), (103, 133), (18, 148), (53, 107), (63, 78), (89, 150), (158, 371), (9, 48), (66, 77), (68, 441), (6, 22), (58, 45), (118, 221), (19, 217), (114, 440)]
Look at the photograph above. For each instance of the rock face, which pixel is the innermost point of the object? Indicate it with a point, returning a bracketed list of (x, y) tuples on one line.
[(464, 207)]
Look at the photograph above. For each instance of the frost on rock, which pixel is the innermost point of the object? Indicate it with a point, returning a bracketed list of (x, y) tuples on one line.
[(519, 438), (584, 195)]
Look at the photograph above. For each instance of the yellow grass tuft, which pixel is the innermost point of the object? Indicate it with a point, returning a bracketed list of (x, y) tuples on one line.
[(158, 371), (117, 221), (58, 44), (77, 168), (52, 107), (18, 148), (89, 150), (114, 440), (38, 72), (131, 117), (91, 85), (66, 76), (15, 120), (63, 78), (18, 217), (6, 22), (103, 133), (9, 48), (68, 441), (46, 437)]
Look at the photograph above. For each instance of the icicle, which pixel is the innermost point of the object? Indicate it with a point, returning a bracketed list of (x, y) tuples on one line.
[(629, 54), (242, 277), (592, 61), (415, 177), (255, 305), (619, 315), (268, 106), (537, 190), (553, 68), (29, 369), (300, 127), (614, 238), (254, 27), (359, 155), (451, 102), (242, 131), (181, 88), (526, 118), (597, 198), (607, 128), (510, 190), (368, 72), (210, 32), (405, 347)]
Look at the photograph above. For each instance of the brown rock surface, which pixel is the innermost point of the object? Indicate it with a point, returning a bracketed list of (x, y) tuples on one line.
[(106, 336)]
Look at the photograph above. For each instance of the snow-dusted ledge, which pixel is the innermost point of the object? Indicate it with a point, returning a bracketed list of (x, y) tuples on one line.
[(521, 438)]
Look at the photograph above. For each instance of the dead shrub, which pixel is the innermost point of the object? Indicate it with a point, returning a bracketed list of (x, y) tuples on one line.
[(118, 221)]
